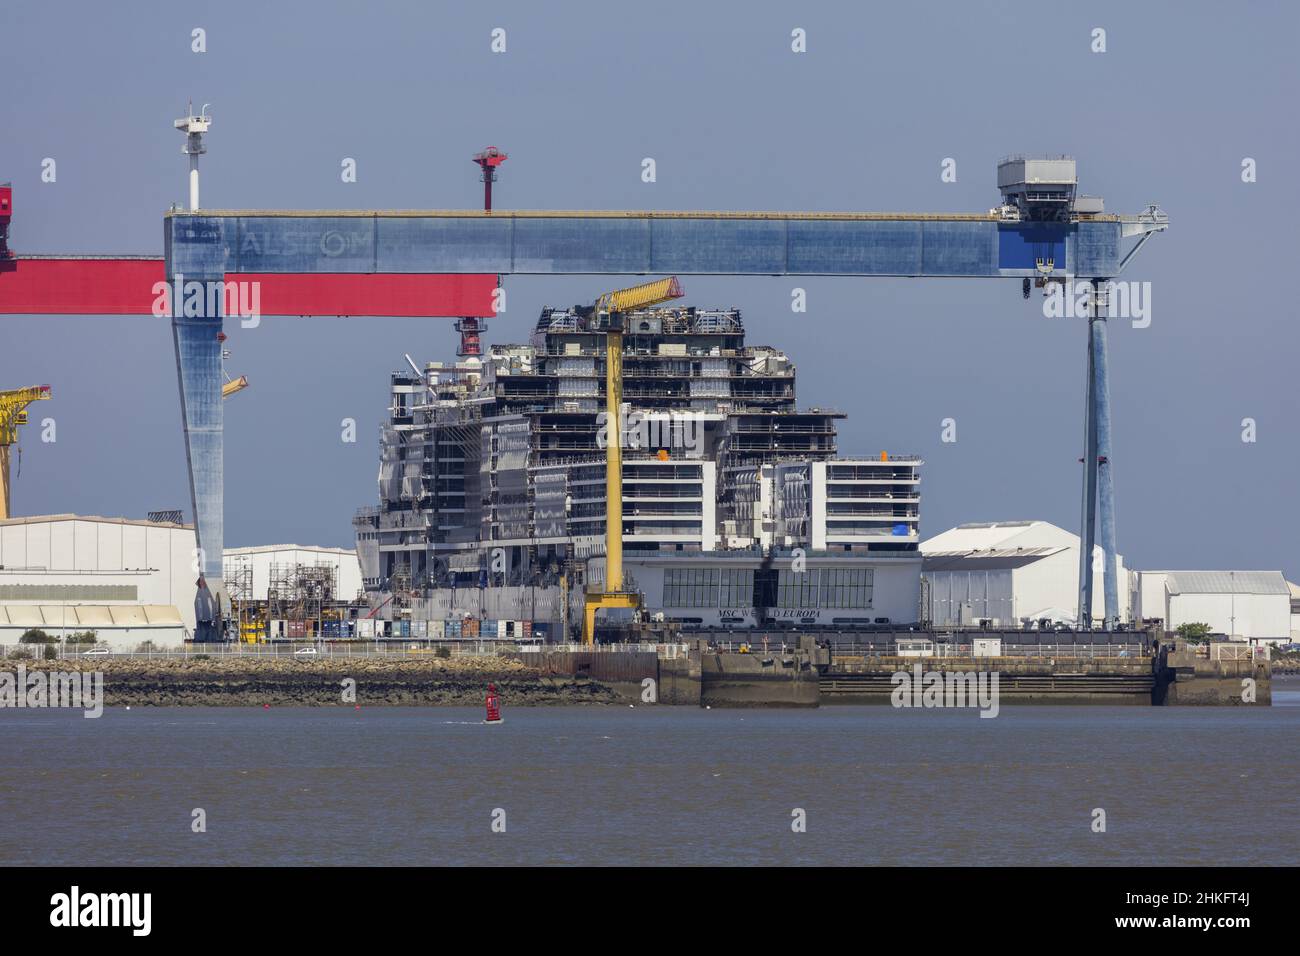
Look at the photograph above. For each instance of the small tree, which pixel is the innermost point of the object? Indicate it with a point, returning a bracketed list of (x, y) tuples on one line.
[(36, 636), (83, 637), (1193, 632)]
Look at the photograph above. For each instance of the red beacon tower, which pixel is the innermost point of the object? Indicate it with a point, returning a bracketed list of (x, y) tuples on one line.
[(488, 161), (471, 329), (6, 213), (493, 705)]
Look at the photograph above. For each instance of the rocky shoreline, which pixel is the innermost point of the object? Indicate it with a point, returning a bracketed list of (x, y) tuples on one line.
[(254, 682)]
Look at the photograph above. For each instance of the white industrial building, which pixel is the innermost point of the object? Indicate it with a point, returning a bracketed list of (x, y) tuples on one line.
[(258, 561), (126, 579), (1295, 611), (1245, 605), (1012, 573)]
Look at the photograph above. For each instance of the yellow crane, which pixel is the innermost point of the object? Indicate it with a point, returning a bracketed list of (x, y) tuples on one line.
[(231, 385), (609, 312), (13, 412)]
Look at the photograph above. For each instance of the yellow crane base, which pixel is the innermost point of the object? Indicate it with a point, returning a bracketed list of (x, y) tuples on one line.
[(604, 601)]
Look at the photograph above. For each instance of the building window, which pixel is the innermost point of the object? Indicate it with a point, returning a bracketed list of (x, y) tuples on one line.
[(825, 588), (797, 589), (691, 587), (55, 593), (847, 587), (737, 588)]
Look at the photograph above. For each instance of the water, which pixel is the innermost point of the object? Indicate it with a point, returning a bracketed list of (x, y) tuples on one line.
[(664, 786)]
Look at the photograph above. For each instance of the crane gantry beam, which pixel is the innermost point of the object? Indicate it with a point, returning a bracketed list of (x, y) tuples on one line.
[(568, 242), (130, 285)]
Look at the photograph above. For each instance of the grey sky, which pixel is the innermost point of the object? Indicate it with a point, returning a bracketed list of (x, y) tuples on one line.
[(734, 120)]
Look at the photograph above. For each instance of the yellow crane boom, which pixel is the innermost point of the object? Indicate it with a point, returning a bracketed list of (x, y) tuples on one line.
[(640, 296), (609, 312), (13, 413)]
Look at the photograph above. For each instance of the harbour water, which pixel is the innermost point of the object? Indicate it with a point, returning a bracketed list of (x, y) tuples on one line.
[(645, 785)]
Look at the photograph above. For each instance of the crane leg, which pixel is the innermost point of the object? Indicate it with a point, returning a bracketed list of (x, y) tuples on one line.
[(4, 482), (1098, 484), (1105, 479), (198, 371), (1088, 518)]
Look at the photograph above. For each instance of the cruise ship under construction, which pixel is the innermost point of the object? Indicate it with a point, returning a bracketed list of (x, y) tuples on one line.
[(737, 510)]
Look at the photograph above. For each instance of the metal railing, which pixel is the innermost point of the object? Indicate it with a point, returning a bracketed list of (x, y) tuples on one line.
[(864, 651), (665, 651), (400, 649)]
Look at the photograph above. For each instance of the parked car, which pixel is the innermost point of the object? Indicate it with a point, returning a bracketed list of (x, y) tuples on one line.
[(96, 652), (305, 652)]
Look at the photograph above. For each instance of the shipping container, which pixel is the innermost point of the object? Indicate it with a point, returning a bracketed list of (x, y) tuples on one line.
[(403, 628), (452, 629), (469, 627), (365, 627), (419, 628), (436, 630)]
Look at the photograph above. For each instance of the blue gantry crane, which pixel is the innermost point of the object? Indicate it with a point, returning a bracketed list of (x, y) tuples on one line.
[(1042, 233)]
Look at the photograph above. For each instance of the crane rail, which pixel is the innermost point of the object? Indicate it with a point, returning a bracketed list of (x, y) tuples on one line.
[(604, 214)]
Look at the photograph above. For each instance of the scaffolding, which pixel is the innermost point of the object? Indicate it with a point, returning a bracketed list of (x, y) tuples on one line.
[(400, 586), (299, 595), (246, 611)]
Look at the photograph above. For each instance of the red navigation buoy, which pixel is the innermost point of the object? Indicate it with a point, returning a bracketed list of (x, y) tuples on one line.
[(493, 705)]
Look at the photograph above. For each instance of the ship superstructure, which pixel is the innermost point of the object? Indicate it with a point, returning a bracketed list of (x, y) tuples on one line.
[(492, 481)]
